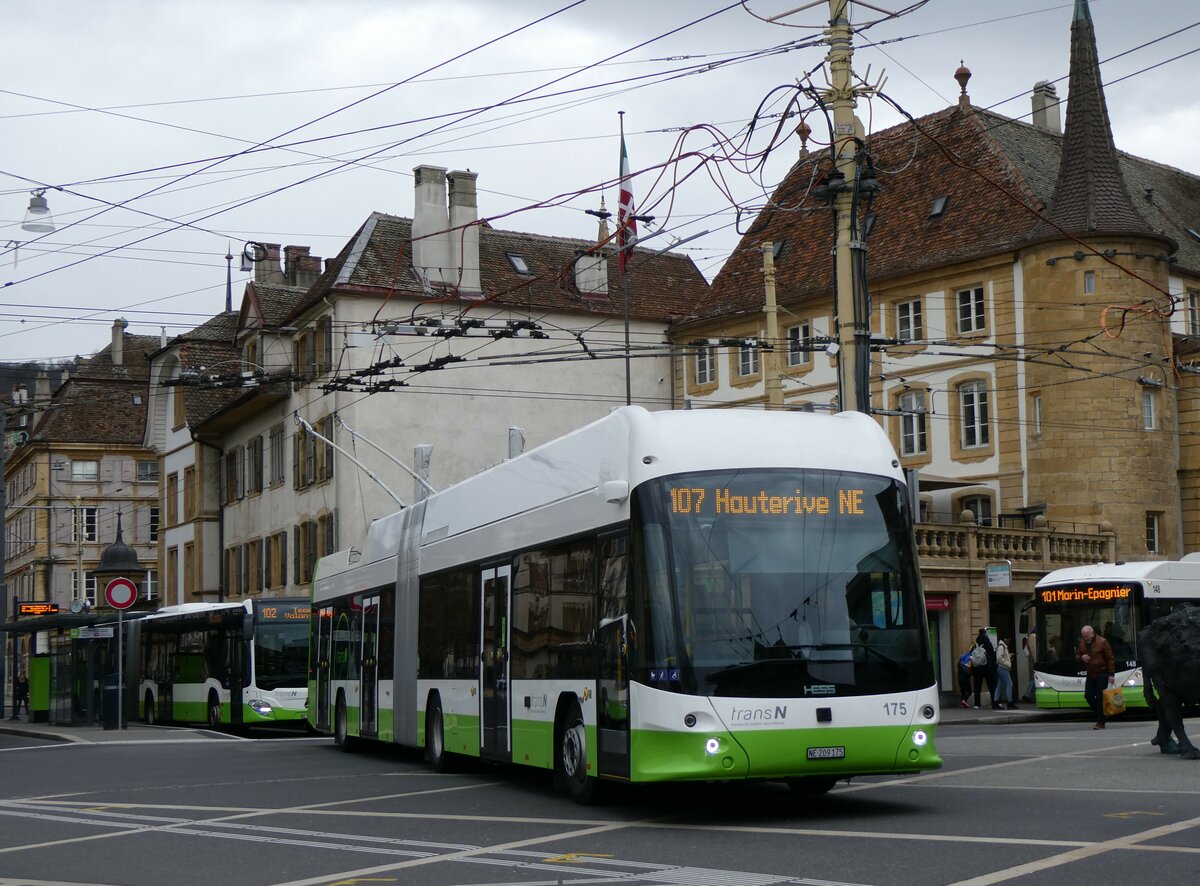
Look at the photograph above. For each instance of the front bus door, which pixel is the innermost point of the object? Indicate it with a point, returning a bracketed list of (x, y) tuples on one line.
[(324, 657), (493, 675), (369, 675)]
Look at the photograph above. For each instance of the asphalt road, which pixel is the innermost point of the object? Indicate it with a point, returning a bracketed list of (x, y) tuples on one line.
[(1033, 803)]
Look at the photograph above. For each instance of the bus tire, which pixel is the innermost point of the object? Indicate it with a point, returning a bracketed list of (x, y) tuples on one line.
[(148, 716), (214, 711), (572, 756), (341, 726), (435, 736), (812, 785)]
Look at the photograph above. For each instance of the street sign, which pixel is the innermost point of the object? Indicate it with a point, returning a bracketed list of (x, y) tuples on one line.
[(999, 575), (120, 593), (104, 633)]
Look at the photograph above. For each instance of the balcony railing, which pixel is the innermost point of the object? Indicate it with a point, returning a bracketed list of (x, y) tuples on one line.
[(943, 544)]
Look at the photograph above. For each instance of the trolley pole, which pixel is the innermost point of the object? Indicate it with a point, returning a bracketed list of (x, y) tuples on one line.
[(853, 323)]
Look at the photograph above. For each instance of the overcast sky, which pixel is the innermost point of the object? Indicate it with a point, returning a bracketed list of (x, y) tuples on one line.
[(154, 106)]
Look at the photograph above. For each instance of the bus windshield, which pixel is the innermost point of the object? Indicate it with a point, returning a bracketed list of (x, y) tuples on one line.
[(1062, 611), (773, 583), (281, 646)]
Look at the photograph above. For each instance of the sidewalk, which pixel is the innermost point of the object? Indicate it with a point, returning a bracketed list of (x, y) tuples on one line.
[(138, 732), (952, 714)]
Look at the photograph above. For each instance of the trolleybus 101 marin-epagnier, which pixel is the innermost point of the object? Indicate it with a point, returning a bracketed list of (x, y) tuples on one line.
[(240, 663), (1117, 600), (667, 596)]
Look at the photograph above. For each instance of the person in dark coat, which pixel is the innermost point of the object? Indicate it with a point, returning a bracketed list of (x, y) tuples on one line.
[(21, 695), (1095, 655), (987, 673)]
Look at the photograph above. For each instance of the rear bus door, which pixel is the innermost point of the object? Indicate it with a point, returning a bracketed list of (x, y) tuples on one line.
[(494, 685), (369, 675), (324, 656)]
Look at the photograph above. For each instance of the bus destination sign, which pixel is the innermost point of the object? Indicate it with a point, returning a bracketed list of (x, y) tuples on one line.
[(285, 612), (1085, 593), (724, 502)]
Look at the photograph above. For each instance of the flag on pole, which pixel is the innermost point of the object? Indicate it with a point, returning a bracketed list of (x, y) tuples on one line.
[(626, 224)]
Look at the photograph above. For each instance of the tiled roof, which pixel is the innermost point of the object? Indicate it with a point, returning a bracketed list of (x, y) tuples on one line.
[(914, 165), (135, 363), (378, 260), (96, 410), (276, 300)]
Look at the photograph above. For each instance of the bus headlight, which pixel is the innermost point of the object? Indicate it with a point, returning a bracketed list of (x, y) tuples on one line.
[(261, 708), (920, 737), (713, 745), (1134, 679)]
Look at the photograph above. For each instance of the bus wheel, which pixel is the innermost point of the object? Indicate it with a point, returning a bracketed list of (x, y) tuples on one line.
[(812, 785), (435, 737), (148, 715), (214, 711), (572, 757), (341, 727)]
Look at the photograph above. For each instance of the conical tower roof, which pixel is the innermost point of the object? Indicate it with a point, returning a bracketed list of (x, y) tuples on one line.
[(1090, 195)]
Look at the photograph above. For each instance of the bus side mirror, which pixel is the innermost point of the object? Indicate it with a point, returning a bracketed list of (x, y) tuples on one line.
[(1024, 623)]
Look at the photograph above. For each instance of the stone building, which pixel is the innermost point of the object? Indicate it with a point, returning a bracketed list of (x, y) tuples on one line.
[(1033, 312)]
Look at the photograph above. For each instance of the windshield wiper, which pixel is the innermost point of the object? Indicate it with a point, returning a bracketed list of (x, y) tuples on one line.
[(882, 656), (742, 667)]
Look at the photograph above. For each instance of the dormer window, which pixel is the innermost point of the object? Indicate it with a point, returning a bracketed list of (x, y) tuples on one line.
[(519, 264), (939, 206), (777, 249)]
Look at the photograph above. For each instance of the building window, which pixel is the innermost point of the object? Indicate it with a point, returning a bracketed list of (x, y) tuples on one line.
[(1193, 312), (154, 524), (89, 587), (173, 575), (277, 560), (913, 436), (980, 506), (972, 316), (1149, 409), (1153, 532), (748, 360), (190, 493), (189, 568), (85, 470), (172, 494), (909, 325), (973, 410), (83, 524), (177, 411), (147, 471), (254, 465), (1035, 409), (706, 366), (150, 585), (234, 477), (1089, 282), (278, 469), (799, 338), (324, 449), (324, 345), (519, 264)]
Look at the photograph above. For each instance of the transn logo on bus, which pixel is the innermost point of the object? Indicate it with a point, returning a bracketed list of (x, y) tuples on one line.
[(758, 715), (823, 689)]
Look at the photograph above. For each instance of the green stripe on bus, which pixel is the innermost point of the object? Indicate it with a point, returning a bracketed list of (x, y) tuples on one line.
[(1052, 698), (779, 753)]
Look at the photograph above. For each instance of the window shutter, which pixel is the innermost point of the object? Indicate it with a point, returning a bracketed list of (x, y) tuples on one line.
[(329, 449), (296, 458), (261, 562), (296, 555), (283, 561)]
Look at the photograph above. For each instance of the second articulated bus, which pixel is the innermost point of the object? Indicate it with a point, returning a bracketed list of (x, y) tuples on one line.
[(700, 595), (1117, 600), (235, 664)]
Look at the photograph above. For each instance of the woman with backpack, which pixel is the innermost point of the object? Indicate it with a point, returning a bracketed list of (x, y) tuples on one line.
[(1004, 681), (983, 667), (964, 678)]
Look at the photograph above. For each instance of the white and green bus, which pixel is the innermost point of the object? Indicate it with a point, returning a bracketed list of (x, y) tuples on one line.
[(1117, 600), (668, 596), (241, 663)]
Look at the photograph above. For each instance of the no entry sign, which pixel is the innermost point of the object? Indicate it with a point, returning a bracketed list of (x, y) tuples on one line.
[(120, 593)]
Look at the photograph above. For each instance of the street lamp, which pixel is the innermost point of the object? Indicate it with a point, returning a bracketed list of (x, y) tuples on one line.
[(37, 217)]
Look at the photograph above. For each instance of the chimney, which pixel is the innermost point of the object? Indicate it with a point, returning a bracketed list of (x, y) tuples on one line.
[(1045, 107), (41, 389), (464, 232), (266, 269), (118, 341), (300, 268), (430, 242)]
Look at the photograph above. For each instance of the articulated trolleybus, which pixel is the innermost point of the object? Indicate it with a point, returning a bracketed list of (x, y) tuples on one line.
[(240, 663), (698, 595), (1117, 600)]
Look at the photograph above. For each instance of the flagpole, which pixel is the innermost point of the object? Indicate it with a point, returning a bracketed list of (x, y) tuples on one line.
[(624, 260)]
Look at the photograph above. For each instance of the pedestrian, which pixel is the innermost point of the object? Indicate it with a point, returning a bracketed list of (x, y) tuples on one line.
[(1029, 647), (21, 695), (983, 658), (1096, 656), (964, 678), (1004, 681)]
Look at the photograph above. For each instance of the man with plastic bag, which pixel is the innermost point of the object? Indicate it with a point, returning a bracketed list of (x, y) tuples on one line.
[(1095, 654)]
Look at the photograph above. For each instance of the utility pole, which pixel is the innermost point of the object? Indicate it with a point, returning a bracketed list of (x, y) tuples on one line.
[(771, 358), (853, 320)]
